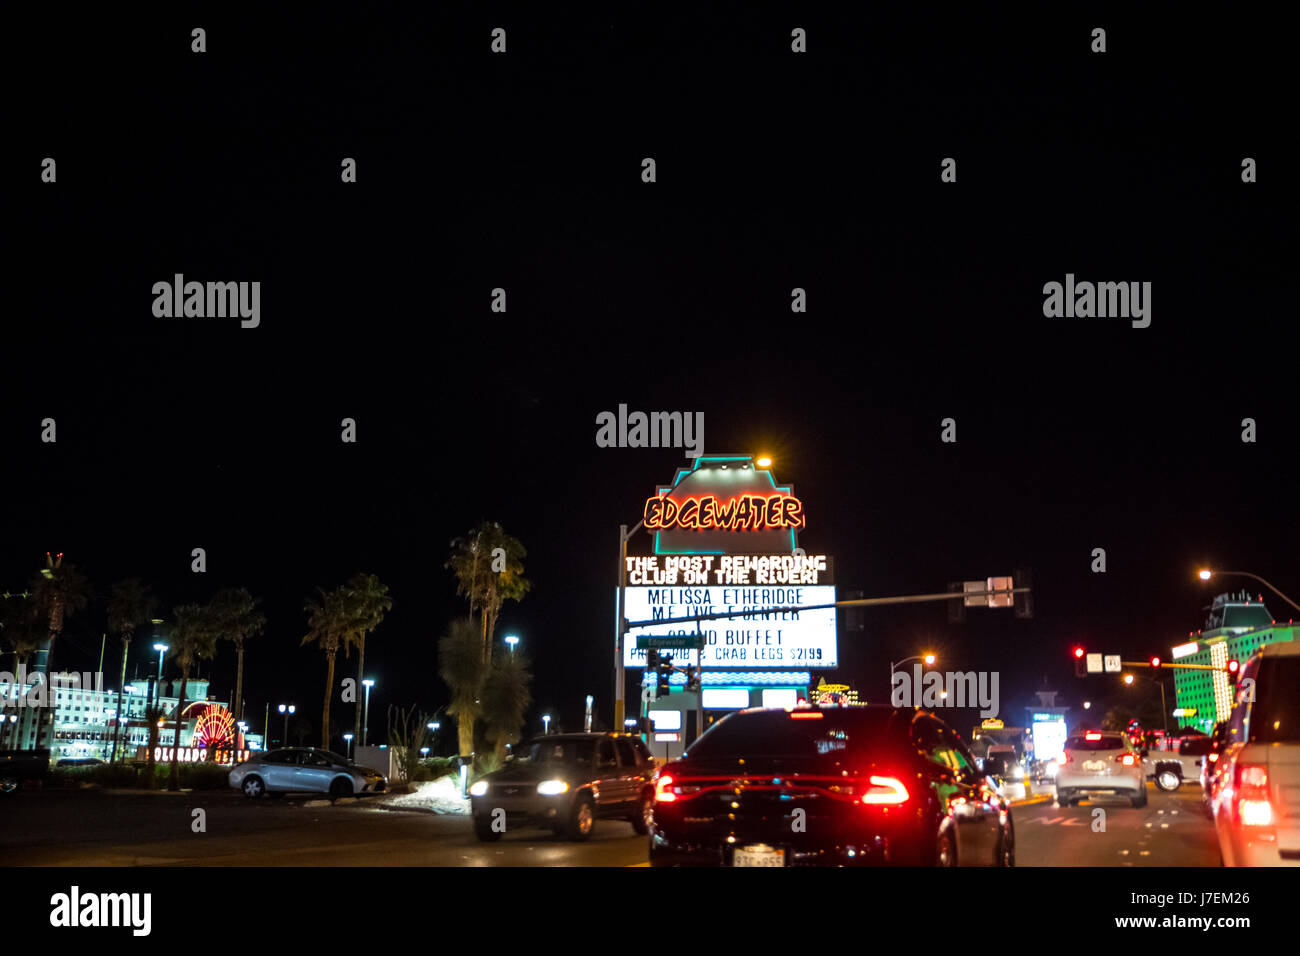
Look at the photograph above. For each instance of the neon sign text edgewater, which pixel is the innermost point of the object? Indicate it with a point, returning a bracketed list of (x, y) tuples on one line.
[(741, 513)]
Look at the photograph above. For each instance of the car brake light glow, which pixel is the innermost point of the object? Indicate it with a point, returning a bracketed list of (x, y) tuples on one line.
[(885, 790), (662, 793), (1253, 806), (806, 715), (1127, 760), (1092, 736)]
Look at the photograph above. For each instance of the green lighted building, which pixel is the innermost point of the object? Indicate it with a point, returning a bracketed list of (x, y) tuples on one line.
[(1238, 626)]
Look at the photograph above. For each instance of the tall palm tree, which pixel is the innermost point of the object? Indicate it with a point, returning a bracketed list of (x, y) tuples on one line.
[(60, 590), (238, 619), (460, 662), (330, 621), (130, 605), (472, 561), (370, 601), (24, 629), (194, 639)]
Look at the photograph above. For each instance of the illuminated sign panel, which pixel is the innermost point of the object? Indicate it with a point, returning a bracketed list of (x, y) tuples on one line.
[(724, 505), (753, 638), (725, 698), (1185, 650), (730, 569)]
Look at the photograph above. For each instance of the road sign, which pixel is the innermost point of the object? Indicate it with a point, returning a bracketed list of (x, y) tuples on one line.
[(1000, 600), (1094, 664), (677, 642), (1113, 664)]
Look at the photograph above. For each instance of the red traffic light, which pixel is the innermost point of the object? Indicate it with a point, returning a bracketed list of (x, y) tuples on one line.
[(1233, 667), (1078, 653), (1155, 662)]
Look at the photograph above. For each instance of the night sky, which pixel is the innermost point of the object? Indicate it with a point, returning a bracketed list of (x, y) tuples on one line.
[(774, 171)]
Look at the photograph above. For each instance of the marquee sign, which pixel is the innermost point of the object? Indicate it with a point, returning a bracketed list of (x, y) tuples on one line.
[(724, 504), (753, 638)]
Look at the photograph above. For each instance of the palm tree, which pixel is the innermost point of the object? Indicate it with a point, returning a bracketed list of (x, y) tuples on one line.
[(24, 630), (472, 561), (130, 605), (194, 638), (330, 621), (460, 662), (370, 600), (60, 590), (237, 619), (505, 699)]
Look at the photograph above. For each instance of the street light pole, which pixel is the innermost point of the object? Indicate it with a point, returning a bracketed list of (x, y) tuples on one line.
[(1206, 574), (365, 723)]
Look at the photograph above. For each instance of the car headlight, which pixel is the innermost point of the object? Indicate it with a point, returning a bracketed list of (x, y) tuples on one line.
[(549, 788), (1018, 772), (479, 789)]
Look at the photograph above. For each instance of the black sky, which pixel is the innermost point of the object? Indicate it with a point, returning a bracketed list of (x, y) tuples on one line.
[(774, 171)]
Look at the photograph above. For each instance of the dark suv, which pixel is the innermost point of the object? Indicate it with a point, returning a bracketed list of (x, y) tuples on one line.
[(565, 782)]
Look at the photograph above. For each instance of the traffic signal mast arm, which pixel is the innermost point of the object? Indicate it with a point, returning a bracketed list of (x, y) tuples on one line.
[(857, 602)]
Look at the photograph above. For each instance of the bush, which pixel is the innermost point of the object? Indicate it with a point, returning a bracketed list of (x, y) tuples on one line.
[(439, 767)]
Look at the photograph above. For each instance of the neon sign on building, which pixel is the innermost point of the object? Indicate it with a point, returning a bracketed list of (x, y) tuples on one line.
[(776, 511)]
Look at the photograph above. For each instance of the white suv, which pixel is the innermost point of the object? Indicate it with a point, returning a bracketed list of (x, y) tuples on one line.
[(1257, 803), (1097, 762)]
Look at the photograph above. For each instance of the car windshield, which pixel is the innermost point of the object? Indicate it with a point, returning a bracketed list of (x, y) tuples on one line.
[(1101, 742), (568, 751), (334, 758), (1275, 716), (781, 733)]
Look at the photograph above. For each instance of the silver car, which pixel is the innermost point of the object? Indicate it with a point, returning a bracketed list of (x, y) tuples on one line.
[(305, 770), (1096, 763)]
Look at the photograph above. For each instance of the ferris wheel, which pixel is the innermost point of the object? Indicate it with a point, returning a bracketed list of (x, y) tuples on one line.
[(215, 728)]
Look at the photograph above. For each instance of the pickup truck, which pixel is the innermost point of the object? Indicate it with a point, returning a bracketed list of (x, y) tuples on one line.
[(1173, 769), (19, 768)]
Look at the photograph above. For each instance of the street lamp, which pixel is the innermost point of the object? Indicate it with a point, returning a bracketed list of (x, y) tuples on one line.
[(347, 744), (286, 709), (590, 701), (1087, 705), (546, 723), (365, 723), (161, 649), (424, 752), (1205, 574), (927, 657), (512, 640), (1164, 711)]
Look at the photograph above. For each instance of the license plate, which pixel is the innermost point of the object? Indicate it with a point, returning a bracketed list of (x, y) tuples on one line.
[(1094, 766), (758, 856)]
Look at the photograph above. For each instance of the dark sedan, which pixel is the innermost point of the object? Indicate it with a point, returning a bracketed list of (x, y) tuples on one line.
[(829, 786)]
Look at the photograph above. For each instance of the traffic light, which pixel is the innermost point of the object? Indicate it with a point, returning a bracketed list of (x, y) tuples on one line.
[(1155, 662), (1080, 665), (663, 674), (1233, 668), (692, 679), (956, 609), (652, 659)]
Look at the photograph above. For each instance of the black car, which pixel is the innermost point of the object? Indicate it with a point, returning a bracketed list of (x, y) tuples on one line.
[(829, 786), (22, 768), (565, 782)]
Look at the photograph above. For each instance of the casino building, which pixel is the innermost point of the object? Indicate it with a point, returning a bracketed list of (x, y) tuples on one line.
[(1238, 625), (725, 545)]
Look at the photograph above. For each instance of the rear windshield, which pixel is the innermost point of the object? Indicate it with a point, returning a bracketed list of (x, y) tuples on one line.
[(1104, 742), (779, 733), (1275, 716)]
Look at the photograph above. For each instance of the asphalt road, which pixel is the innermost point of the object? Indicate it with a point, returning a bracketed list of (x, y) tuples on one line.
[(99, 828)]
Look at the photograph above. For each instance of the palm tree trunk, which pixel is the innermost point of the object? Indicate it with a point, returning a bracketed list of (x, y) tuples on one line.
[(51, 702), (361, 675), (175, 783), (325, 710), (465, 734), (117, 722), (238, 703)]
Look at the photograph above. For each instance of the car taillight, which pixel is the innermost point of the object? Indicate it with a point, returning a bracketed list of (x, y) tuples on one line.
[(1127, 760), (885, 790), (1214, 758), (1253, 806), (1063, 759), (662, 793)]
